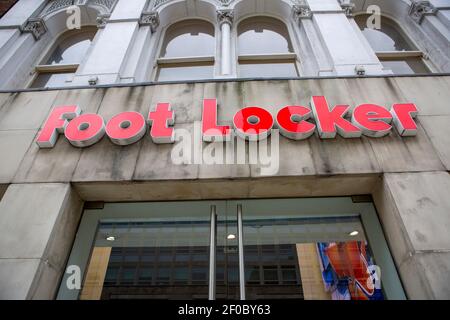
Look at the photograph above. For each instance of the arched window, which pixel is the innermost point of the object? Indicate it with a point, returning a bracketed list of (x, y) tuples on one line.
[(187, 52), (63, 60), (393, 48), (265, 49)]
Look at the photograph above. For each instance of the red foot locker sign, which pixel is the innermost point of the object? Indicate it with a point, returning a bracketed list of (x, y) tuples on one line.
[(251, 123)]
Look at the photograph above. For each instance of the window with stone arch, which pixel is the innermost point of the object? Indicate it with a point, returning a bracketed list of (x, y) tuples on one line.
[(61, 62), (265, 49), (187, 51), (392, 46)]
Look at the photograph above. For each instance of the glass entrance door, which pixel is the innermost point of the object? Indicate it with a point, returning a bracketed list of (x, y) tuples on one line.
[(328, 248)]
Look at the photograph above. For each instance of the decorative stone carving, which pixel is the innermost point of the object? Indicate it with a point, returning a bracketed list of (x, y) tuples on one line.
[(419, 9), (150, 19), (301, 10), (36, 27), (102, 20), (106, 6), (347, 6), (159, 3), (225, 3), (225, 16)]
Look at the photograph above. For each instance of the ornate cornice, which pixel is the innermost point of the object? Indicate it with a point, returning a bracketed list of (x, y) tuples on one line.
[(225, 16), (150, 19), (419, 9), (35, 26)]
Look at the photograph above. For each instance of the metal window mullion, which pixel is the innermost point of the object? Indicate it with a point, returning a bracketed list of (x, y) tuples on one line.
[(212, 254), (241, 253)]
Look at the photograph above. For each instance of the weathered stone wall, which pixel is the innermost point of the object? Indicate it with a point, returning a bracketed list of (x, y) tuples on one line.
[(408, 177), (22, 114)]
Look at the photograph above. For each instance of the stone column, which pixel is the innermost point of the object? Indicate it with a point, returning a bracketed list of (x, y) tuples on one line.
[(38, 223), (19, 35), (344, 46), (225, 18), (433, 18), (414, 209), (112, 45)]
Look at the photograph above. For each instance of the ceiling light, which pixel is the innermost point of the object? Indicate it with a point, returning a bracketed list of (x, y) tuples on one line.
[(231, 237), (110, 238), (353, 233)]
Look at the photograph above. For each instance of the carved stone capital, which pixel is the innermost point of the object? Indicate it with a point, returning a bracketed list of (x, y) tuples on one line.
[(347, 6), (150, 19), (301, 10), (102, 20), (35, 26), (225, 16), (421, 8)]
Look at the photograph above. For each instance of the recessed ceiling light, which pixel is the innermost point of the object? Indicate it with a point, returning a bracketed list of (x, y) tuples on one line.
[(110, 238), (353, 233), (231, 237)]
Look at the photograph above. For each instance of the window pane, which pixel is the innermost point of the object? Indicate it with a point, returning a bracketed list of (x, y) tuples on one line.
[(406, 66), (264, 70), (51, 80), (188, 39), (72, 49), (191, 72), (387, 38), (329, 263), (263, 36)]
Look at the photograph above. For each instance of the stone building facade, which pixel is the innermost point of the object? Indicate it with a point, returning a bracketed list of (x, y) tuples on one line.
[(130, 66)]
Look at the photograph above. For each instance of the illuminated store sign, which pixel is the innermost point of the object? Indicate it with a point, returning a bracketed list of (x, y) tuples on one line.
[(251, 123)]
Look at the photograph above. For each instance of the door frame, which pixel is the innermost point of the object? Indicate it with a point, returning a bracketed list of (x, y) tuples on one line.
[(302, 207)]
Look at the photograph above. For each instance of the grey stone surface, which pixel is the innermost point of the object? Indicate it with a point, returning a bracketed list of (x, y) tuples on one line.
[(343, 156), (403, 154), (26, 110), (438, 132), (279, 187), (381, 91), (29, 213), (16, 277), (58, 164), (4, 97), (106, 161), (430, 94), (38, 226), (14, 144), (145, 160), (423, 205), (154, 162), (230, 98), (185, 99), (296, 159), (427, 275)]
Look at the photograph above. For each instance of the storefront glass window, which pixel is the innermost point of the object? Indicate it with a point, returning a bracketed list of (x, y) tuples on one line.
[(291, 249)]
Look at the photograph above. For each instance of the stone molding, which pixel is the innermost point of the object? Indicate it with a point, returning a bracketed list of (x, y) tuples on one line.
[(35, 26), (150, 19), (421, 8)]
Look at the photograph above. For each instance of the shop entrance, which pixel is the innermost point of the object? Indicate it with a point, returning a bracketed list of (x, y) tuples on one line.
[(320, 248)]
